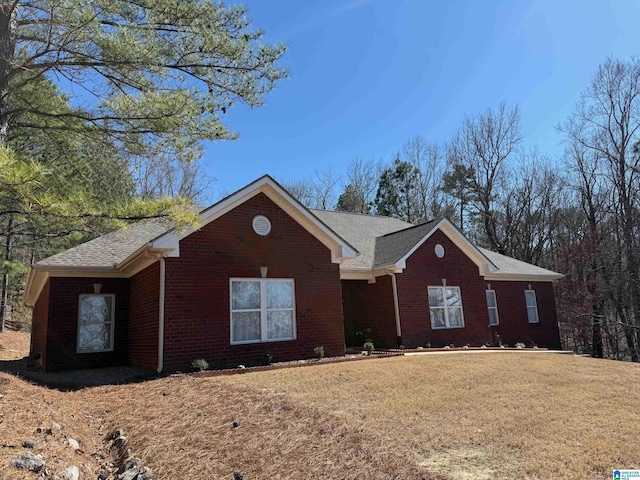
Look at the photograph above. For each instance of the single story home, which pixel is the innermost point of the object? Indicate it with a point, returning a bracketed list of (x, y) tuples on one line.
[(263, 275)]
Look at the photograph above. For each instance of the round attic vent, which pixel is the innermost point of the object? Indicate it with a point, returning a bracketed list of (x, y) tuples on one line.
[(261, 225), (439, 251)]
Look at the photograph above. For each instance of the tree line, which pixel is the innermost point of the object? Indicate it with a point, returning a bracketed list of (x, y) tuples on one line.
[(577, 213)]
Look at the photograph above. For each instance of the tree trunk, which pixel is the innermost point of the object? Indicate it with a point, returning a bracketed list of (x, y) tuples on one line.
[(4, 293), (7, 50)]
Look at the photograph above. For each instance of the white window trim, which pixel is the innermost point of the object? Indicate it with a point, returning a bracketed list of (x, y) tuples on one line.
[(112, 321), (444, 307), (534, 306), (263, 310), (495, 301)]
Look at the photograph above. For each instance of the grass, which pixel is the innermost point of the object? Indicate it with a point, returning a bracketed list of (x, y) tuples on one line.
[(492, 415), (467, 415)]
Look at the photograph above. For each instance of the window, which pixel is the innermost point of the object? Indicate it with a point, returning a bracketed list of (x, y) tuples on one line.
[(532, 306), (492, 306), (262, 310), (95, 323), (445, 307)]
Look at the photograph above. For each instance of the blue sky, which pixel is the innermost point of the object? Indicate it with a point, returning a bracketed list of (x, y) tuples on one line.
[(367, 75)]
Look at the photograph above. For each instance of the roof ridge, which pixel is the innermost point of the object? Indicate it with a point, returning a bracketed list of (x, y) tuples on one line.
[(412, 226), (356, 213)]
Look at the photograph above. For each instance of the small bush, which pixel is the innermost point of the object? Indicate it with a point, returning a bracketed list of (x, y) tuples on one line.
[(451, 345), (369, 348), (319, 351), (199, 365), (268, 358), (428, 345)]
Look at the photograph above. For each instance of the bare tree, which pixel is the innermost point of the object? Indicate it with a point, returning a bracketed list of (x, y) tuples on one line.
[(361, 183), (317, 191), (159, 176), (429, 160), (486, 143), (605, 124)]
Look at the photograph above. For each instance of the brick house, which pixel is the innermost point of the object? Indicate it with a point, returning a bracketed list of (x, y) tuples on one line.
[(263, 275)]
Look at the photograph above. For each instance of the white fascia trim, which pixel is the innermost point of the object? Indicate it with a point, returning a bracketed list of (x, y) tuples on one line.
[(368, 274), (484, 264), (514, 277), (36, 280), (339, 248)]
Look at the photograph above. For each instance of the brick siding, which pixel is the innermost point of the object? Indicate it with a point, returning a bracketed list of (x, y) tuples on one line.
[(143, 317), (197, 310), (63, 323)]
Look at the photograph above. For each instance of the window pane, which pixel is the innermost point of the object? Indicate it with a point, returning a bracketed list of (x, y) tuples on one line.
[(245, 326), (435, 297), (279, 294), (530, 298), (453, 296), (94, 337), (493, 316), (245, 295), (94, 309), (279, 324), (532, 314), (455, 316), (437, 317), (491, 298)]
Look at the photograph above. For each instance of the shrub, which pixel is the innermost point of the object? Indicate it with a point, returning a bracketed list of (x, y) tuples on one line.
[(369, 348), (268, 358), (199, 365), (319, 351)]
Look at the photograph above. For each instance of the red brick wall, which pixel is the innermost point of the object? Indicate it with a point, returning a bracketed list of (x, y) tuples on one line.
[(369, 306), (425, 269), (514, 325), (143, 317), (63, 323), (197, 316), (39, 325)]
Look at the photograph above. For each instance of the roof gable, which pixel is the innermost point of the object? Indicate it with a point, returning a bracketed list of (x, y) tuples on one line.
[(340, 248)]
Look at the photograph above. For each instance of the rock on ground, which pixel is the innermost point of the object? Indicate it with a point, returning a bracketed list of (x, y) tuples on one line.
[(28, 461)]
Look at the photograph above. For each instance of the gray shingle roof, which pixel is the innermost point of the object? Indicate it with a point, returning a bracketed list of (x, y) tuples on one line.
[(110, 249), (511, 266), (380, 241), (360, 231), (393, 246)]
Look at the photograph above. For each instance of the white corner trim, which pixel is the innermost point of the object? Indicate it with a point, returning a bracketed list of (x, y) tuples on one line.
[(396, 305), (161, 296)]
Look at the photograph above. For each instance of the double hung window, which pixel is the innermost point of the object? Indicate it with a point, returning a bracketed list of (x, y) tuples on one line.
[(492, 306), (445, 307), (262, 310), (532, 306)]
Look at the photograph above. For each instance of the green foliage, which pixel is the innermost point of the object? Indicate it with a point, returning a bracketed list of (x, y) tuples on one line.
[(368, 347), (319, 351), (397, 192), (352, 200), (156, 75), (199, 364)]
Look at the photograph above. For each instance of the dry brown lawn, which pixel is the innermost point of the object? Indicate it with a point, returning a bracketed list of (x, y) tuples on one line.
[(466, 415), (14, 345), (477, 416)]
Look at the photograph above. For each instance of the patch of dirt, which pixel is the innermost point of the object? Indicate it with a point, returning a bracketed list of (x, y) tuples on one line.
[(14, 345), (461, 463)]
